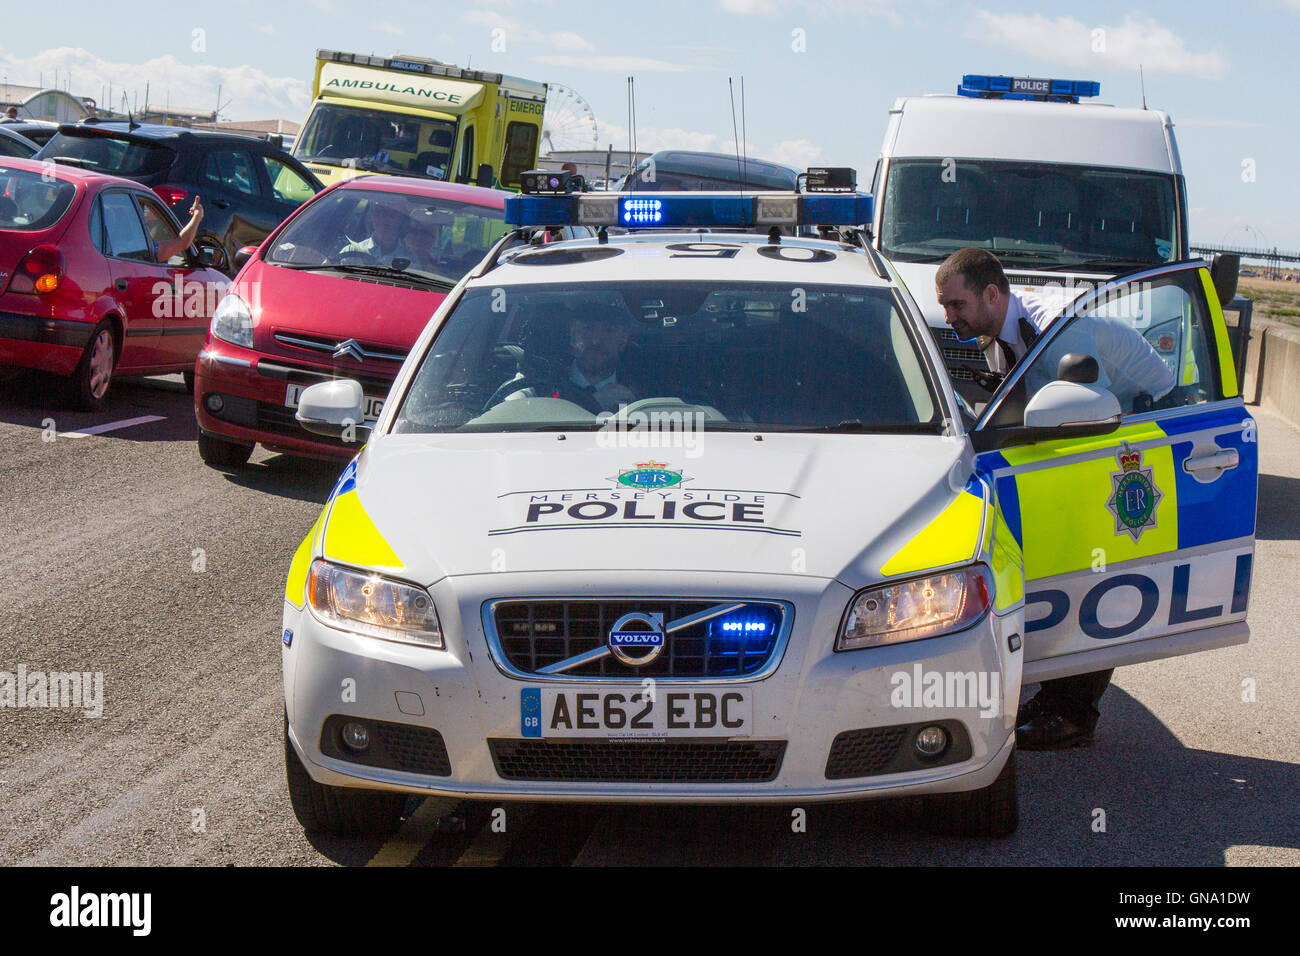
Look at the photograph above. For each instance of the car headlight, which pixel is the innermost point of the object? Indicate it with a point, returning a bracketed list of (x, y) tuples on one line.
[(233, 321), (919, 608), (373, 605)]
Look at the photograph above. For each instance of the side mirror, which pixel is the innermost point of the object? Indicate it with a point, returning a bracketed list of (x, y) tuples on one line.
[(1063, 405), (1224, 271), (1060, 409), (243, 255), (330, 408), (484, 176)]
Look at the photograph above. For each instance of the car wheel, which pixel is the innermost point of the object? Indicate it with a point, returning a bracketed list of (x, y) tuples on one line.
[(220, 453), (340, 811), (88, 388), (991, 812)]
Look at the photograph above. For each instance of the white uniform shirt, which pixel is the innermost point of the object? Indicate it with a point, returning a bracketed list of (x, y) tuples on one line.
[(1127, 364)]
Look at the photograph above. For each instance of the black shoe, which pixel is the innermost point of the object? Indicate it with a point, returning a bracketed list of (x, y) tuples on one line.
[(1052, 731), (1031, 709)]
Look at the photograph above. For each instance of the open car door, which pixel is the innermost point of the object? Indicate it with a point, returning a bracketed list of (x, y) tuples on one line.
[(1129, 480)]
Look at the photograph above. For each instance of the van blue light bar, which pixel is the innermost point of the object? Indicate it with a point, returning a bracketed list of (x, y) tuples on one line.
[(695, 209), (980, 86)]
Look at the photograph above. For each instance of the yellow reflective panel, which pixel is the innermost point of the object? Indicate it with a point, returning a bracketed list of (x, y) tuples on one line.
[(1227, 367), (951, 537), (294, 588), (1007, 565), (1066, 521), (351, 537)]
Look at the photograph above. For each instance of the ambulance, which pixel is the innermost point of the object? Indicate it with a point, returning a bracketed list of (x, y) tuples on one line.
[(1067, 193), (410, 116)]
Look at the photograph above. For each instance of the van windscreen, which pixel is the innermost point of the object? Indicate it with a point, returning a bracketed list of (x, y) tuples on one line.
[(1030, 215)]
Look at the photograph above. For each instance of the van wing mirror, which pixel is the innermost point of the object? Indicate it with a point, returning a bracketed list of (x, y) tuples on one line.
[(331, 408), (1224, 271)]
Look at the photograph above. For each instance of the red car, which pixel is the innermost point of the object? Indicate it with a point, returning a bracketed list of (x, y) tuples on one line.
[(342, 289), (83, 295)]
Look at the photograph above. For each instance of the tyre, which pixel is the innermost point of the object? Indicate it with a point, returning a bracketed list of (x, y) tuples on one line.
[(221, 453), (188, 377), (88, 387), (339, 811), (991, 812)]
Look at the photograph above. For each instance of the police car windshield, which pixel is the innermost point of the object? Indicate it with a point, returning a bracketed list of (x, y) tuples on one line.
[(1031, 215), (726, 356)]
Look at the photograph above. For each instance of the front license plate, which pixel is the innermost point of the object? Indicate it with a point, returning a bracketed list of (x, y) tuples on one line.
[(370, 409), (667, 712)]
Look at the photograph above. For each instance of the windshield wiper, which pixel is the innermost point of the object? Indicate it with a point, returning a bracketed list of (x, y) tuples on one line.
[(387, 272), (1102, 261), (854, 426)]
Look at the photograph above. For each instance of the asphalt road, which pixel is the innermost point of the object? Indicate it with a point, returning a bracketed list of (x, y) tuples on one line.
[(122, 553)]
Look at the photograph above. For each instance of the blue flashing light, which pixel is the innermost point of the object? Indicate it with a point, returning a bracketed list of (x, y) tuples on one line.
[(641, 212), (707, 210), (981, 86)]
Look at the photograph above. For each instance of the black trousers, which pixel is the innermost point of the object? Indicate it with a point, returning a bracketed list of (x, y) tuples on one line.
[(1076, 697)]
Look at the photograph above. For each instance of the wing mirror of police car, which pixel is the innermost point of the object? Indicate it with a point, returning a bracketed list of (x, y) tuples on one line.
[(1060, 409), (1065, 409), (1224, 271), (334, 409)]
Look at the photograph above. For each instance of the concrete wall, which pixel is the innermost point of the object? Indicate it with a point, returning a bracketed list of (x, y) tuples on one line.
[(1272, 376)]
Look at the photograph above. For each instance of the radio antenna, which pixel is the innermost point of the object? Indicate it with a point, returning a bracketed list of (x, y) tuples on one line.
[(744, 134), (735, 134), (1143, 80)]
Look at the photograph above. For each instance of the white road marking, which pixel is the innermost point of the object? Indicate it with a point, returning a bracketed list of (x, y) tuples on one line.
[(112, 426), (489, 848), (414, 834)]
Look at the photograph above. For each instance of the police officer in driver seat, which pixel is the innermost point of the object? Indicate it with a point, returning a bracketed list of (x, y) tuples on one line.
[(978, 303)]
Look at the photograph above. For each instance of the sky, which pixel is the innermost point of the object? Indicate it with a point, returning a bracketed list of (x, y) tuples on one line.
[(819, 75)]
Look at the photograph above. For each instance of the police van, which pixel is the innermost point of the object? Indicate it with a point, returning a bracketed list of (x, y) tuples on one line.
[(698, 517), (1066, 192)]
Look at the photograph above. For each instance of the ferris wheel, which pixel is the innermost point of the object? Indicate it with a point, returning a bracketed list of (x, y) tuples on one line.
[(568, 122)]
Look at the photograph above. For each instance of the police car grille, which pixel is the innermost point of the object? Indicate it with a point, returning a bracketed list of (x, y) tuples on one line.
[(533, 635), (638, 761)]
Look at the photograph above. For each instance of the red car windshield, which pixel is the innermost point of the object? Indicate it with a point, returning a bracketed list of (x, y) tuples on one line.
[(29, 203), (370, 229)]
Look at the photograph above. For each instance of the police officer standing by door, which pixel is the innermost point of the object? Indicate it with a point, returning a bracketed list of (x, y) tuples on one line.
[(978, 303)]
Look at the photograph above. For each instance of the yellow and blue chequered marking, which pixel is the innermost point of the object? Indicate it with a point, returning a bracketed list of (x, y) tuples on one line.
[(343, 533)]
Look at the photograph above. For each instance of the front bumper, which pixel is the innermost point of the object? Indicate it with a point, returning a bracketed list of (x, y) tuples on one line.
[(812, 696), (253, 386)]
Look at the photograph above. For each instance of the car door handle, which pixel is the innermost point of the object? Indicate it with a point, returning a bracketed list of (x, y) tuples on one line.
[(120, 285), (1212, 464), (221, 203)]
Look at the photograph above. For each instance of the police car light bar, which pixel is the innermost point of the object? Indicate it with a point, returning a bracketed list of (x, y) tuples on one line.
[(1026, 88), (694, 209)]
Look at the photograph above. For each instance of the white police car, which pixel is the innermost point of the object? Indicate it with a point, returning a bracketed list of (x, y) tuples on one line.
[(691, 516)]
